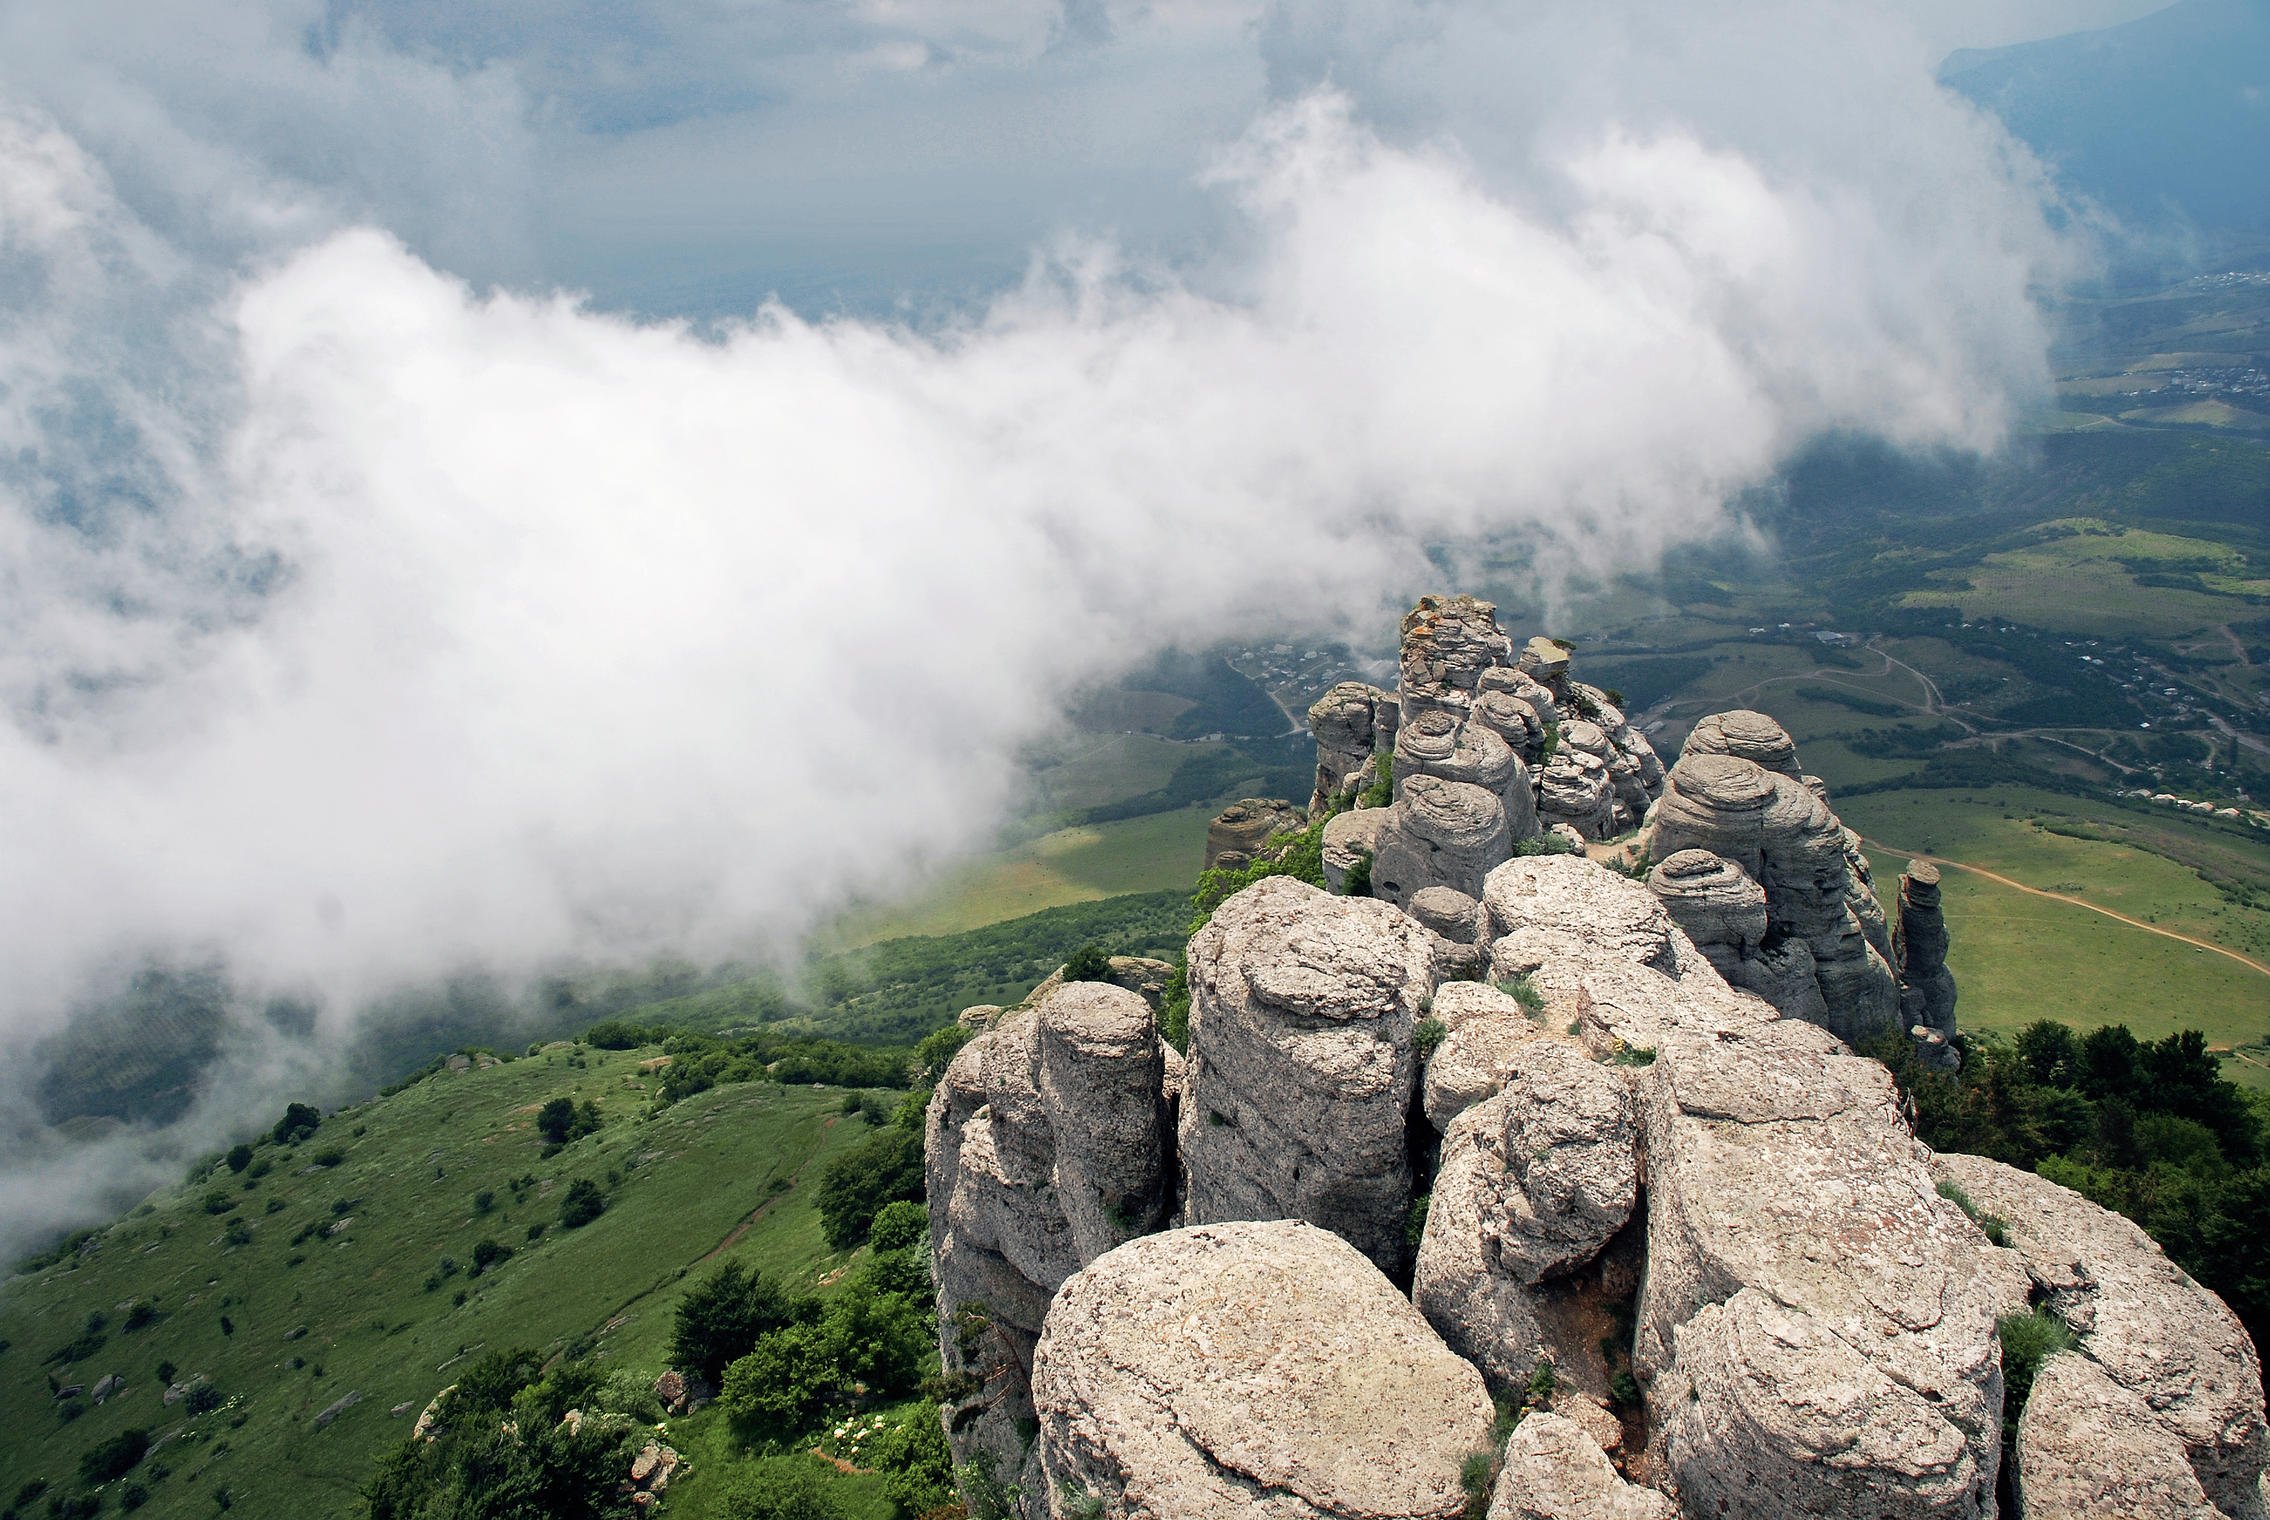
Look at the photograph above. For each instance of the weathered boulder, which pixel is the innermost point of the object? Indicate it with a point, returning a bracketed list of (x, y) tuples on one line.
[(1100, 1072), (1781, 835), (1349, 837), (1555, 1471), (1529, 691), (1350, 722), (1143, 976), (1447, 642), (1817, 1324), (2154, 1331), (1474, 1062), (1771, 1413), (1547, 663), (1919, 952), (1449, 913), (1438, 834), (1575, 789), (2088, 1449), (1745, 735), (1721, 909), (1301, 1067), (1533, 1184), (1237, 833), (1441, 743), (1247, 1369)]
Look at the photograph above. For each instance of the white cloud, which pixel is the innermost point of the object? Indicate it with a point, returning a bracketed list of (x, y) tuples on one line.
[(444, 623)]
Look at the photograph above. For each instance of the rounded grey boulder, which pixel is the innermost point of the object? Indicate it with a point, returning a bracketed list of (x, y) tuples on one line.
[(1250, 1369)]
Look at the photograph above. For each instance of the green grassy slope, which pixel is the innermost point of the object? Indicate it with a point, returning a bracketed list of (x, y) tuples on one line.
[(346, 1310)]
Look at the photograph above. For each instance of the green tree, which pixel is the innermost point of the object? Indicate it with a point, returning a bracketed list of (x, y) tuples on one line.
[(883, 1168), (898, 1225), (298, 1123), (239, 1157), (917, 1464), (721, 1318), (582, 1204), (1088, 964)]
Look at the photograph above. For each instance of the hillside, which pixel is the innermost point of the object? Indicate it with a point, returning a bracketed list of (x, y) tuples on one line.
[(2160, 117), (328, 1291)]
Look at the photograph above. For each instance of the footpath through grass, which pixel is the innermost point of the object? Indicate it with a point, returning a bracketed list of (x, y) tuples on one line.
[(314, 1299)]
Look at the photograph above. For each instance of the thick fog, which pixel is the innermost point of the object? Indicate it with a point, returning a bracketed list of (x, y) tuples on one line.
[(376, 606)]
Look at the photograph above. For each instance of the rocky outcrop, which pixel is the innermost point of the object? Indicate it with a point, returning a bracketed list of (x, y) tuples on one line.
[(1554, 1471), (1533, 1184), (1237, 833), (1348, 838), (2088, 1449), (1351, 723), (1438, 834), (1440, 743), (1301, 1067), (1245, 1369), (2153, 1331), (1473, 709), (1919, 952), (1447, 642), (1046, 1145), (1639, 1145), (1772, 827)]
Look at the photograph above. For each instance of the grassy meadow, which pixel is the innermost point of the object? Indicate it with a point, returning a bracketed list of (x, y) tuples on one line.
[(318, 1288)]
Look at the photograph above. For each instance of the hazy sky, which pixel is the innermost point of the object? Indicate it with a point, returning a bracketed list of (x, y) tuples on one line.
[(371, 607)]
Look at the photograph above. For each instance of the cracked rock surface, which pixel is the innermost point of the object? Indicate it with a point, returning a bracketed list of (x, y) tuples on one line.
[(1251, 1369)]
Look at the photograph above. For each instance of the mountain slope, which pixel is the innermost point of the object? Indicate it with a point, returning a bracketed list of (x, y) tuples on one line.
[(2165, 118), (317, 1283)]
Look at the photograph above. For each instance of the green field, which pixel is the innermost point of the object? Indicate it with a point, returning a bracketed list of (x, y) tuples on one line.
[(347, 1310), (2079, 575), (2018, 957), (1155, 853)]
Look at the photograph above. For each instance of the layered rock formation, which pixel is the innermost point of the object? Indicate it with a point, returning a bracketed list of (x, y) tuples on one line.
[(1640, 1166), (1474, 716), (1238, 832), (1632, 1141), (1301, 1068), (1740, 828), (1046, 1145), (1919, 954)]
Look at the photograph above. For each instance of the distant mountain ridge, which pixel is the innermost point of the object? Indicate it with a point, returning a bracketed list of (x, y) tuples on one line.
[(2164, 120)]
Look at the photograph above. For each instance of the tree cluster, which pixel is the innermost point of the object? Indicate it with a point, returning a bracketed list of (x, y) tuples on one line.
[(2148, 1128)]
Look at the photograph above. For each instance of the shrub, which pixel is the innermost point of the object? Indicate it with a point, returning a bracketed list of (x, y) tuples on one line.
[(489, 1254), (1524, 992), (1381, 792), (2029, 1338), (582, 1204), (218, 1202), (203, 1399), (1357, 881), (483, 1201), (239, 1157), (133, 1496), (614, 1034), (1429, 1033), (898, 1225), (562, 1121), (917, 1464), (880, 1169), (113, 1458), (1088, 964), (329, 1156), (298, 1123), (783, 1488)]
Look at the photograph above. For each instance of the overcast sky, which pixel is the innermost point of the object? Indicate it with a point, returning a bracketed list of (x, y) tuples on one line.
[(373, 604)]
